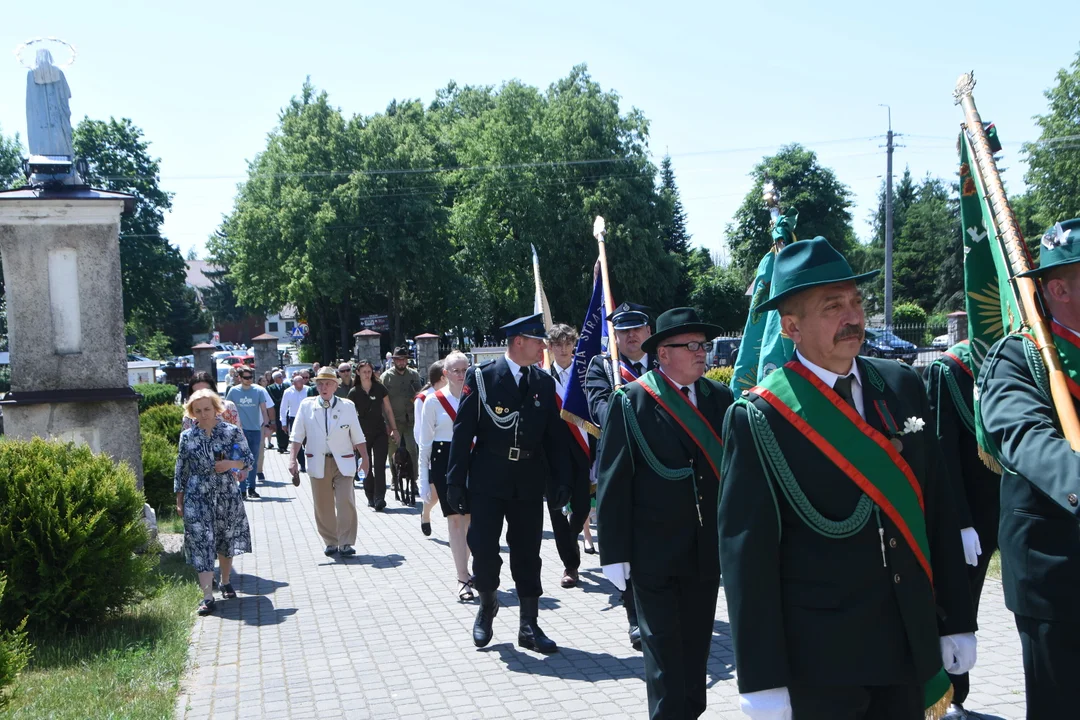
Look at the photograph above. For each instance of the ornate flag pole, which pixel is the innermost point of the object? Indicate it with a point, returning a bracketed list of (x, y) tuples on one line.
[(1015, 256), (599, 231)]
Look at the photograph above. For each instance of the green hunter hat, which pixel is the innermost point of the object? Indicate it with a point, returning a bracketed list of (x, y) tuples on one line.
[(1060, 246), (806, 264), (676, 322)]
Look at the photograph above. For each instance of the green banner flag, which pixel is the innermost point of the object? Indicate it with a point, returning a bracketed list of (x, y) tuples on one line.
[(991, 305), (763, 349)]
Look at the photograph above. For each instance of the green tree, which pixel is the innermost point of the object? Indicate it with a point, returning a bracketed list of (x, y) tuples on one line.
[(922, 245), (119, 160), (219, 298), (1053, 163), (719, 295), (823, 202), (10, 161), (673, 228)]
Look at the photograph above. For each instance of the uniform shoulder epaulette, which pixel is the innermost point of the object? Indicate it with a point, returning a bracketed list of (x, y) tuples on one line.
[(486, 363)]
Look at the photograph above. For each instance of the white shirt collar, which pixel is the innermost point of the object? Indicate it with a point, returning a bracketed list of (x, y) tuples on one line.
[(692, 386), (827, 376), (515, 369), (644, 360)]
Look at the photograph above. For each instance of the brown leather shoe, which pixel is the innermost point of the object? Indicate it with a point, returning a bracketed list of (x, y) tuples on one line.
[(569, 578)]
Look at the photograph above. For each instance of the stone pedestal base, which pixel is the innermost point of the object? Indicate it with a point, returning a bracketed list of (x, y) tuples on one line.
[(110, 427)]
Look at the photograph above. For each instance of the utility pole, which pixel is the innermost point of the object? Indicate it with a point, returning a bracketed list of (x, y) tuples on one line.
[(888, 224)]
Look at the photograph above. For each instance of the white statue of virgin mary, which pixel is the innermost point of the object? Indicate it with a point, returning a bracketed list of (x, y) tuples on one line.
[(48, 115)]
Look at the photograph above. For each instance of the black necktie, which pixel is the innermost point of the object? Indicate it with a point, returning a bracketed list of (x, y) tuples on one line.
[(523, 383), (555, 374), (685, 391), (637, 368), (842, 386)]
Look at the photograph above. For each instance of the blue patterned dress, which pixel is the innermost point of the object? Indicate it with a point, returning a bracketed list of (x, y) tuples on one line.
[(215, 522)]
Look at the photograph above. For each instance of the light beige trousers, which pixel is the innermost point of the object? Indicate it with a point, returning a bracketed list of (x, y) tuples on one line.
[(335, 506)]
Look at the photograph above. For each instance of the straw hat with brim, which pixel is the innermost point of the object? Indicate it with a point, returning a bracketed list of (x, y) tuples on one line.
[(807, 264), (678, 321), (327, 373), (1060, 245)]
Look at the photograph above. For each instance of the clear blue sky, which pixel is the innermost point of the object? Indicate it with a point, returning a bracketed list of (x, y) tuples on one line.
[(722, 85)]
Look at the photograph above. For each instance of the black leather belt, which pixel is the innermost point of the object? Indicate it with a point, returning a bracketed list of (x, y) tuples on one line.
[(513, 453)]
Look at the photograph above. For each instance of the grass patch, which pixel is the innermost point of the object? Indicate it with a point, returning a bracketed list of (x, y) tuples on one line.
[(171, 523), (994, 569), (127, 667)]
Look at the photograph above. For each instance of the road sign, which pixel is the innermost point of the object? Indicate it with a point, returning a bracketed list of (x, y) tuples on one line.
[(299, 331)]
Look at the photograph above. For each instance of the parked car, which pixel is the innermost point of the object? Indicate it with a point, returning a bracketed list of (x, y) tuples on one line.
[(234, 360), (883, 343), (290, 369), (941, 342), (724, 352)]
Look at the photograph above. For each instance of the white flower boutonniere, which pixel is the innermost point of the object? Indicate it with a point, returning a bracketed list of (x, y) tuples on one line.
[(913, 425)]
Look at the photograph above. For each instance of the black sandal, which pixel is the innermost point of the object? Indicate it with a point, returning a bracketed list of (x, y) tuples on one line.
[(206, 606), (227, 592), (465, 592)]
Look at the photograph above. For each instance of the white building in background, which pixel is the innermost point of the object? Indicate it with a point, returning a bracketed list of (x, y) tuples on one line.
[(281, 324)]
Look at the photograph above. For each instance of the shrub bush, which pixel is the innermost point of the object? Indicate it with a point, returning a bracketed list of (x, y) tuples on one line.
[(5, 379), (159, 465), (14, 653), (163, 420), (721, 375), (909, 322), (70, 523), (155, 394)]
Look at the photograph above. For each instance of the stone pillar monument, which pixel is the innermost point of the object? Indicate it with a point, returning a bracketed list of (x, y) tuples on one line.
[(266, 355), (61, 258), (204, 359), (958, 327), (427, 351), (367, 345)]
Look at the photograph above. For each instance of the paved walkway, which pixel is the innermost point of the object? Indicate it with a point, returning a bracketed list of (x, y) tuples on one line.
[(382, 635)]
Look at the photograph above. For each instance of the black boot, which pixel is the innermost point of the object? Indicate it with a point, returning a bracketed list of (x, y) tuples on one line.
[(530, 636), (631, 615), (489, 608)]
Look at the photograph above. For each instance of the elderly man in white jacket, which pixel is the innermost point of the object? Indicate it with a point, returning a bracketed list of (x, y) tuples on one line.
[(334, 440)]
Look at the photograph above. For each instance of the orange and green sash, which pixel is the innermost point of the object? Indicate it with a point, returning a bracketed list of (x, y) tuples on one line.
[(689, 418), (864, 455)]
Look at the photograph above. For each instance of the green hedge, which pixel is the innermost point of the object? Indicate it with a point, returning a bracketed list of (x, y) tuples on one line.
[(5, 379), (70, 525), (163, 420), (14, 653), (155, 394), (159, 466), (721, 375)]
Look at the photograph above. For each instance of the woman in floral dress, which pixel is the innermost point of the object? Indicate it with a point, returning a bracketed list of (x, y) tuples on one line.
[(213, 456)]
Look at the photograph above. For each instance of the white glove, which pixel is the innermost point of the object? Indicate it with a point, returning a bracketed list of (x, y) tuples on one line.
[(774, 704), (617, 574), (972, 547), (958, 653)]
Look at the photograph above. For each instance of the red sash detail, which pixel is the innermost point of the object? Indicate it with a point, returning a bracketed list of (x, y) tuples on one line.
[(575, 431), (446, 405), (675, 417), (854, 417), (420, 396), (960, 362)]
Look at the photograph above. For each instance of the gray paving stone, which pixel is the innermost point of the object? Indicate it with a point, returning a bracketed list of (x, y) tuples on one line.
[(383, 636)]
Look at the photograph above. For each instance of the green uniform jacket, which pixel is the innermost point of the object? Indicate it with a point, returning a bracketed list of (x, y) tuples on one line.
[(1038, 533), (975, 488), (644, 519), (402, 390), (809, 609)]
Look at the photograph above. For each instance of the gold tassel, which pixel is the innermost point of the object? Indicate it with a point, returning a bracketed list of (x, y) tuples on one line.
[(580, 422), (989, 461), (938, 709)]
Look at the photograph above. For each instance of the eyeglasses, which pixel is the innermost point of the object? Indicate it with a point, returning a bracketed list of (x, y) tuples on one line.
[(692, 346)]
